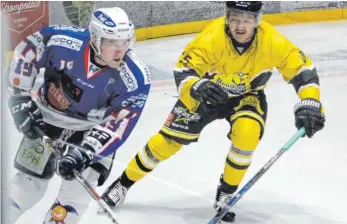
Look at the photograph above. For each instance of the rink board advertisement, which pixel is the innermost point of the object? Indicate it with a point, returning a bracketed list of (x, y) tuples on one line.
[(24, 18), (158, 19), (147, 14), (306, 5)]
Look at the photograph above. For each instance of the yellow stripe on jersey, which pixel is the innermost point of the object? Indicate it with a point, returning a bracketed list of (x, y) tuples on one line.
[(309, 91), (248, 114), (178, 134), (185, 96)]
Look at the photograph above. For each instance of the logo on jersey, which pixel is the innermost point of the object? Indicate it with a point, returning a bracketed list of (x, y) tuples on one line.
[(104, 19), (71, 89), (97, 114), (39, 149), (56, 97), (252, 101), (99, 135), (65, 41), (235, 84), (69, 28), (144, 69), (135, 101), (128, 78), (37, 40), (169, 119), (22, 106), (85, 83), (97, 139), (185, 116)]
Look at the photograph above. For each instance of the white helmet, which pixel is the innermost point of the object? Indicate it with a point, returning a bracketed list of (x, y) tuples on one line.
[(109, 23)]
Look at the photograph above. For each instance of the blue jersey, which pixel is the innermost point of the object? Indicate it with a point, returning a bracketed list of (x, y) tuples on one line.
[(106, 101)]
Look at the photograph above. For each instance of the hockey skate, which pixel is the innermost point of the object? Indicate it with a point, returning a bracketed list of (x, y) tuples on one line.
[(224, 194), (114, 194)]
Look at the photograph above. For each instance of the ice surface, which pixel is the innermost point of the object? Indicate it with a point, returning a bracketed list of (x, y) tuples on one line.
[(308, 185)]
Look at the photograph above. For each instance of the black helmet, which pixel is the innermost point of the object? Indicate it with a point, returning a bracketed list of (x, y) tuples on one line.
[(250, 7), (246, 6)]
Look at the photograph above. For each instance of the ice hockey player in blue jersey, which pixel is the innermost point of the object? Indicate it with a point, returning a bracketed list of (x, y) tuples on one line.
[(93, 92)]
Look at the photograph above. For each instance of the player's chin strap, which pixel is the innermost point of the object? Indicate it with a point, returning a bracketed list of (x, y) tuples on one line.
[(103, 205), (97, 55), (218, 217)]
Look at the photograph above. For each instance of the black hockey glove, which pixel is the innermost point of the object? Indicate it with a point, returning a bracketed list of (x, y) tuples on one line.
[(308, 115), (209, 94), (53, 75), (26, 115), (73, 158)]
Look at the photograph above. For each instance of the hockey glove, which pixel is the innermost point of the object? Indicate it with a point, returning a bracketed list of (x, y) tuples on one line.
[(308, 114), (53, 75), (26, 115), (73, 158), (209, 94)]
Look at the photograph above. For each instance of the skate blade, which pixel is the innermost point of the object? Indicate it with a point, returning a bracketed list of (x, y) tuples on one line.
[(101, 211)]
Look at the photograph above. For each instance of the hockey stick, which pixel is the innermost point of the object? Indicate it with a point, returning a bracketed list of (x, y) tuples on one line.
[(85, 184), (218, 217), (173, 96)]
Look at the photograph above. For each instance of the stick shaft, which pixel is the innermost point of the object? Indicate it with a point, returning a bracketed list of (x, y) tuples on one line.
[(85, 184), (256, 177)]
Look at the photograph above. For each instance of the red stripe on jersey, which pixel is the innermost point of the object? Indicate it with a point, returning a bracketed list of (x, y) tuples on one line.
[(86, 58), (96, 73)]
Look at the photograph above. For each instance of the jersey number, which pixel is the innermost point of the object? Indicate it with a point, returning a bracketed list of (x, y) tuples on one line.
[(186, 59), (66, 64), (23, 68), (119, 128)]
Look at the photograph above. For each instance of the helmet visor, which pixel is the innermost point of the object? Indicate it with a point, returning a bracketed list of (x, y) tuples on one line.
[(115, 44)]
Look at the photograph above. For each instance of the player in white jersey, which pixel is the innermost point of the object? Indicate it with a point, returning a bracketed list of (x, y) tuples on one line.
[(94, 90)]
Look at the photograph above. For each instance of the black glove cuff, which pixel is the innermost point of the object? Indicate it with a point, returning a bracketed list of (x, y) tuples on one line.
[(308, 103), (194, 90)]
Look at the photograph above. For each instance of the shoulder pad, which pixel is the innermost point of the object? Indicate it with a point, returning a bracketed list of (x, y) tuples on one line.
[(138, 67), (67, 29)]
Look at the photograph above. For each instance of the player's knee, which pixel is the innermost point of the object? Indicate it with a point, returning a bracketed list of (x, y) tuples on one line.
[(72, 201), (65, 212), (162, 148), (245, 136), (156, 150), (246, 133), (25, 191)]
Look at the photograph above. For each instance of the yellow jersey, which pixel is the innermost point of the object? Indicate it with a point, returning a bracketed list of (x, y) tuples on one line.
[(211, 55)]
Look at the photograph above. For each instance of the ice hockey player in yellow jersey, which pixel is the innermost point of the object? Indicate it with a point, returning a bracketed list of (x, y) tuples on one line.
[(222, 74)]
